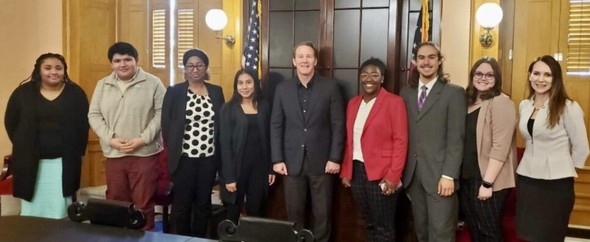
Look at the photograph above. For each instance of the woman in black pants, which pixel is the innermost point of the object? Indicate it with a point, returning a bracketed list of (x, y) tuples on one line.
[(246, 168), (489, 153), (190, 130)]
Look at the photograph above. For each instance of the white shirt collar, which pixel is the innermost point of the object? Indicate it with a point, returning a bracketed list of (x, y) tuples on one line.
[(429, 85)]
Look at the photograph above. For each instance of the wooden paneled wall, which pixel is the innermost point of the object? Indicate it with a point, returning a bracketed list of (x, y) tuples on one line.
[(132, 27), (477, 50)]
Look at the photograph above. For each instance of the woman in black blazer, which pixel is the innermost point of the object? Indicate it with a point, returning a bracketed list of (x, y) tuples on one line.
[(246, 168), (47, 123), (190, 129)]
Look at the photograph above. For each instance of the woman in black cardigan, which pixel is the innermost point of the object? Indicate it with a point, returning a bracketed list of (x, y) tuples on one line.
[(246, 169), (47, 123)]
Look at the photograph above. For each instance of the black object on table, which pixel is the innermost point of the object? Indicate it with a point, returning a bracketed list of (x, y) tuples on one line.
[(262, 230), (107, 212)]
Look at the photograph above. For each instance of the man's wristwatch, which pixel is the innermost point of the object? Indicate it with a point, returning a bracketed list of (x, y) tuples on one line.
[(487, 184)]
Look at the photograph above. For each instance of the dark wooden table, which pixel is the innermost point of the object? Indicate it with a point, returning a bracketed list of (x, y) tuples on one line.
[(29, 229)]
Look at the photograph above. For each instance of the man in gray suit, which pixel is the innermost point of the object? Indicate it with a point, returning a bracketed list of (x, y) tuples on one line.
[(307, 139), (436, 126)]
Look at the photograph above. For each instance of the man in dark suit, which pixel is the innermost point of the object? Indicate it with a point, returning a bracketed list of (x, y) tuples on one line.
[(436, 125), (307, 139)]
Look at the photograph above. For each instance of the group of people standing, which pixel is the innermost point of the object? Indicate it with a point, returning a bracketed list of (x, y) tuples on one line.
[(464, 141), (135, 117), (432, 139)]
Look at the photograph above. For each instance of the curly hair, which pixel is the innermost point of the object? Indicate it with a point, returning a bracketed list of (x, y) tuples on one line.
[(35, 76)]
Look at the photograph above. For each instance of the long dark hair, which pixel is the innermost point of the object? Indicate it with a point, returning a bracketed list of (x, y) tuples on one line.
[(35, 76), (558, 94), (471, 93), (236, 98), (415, 75)]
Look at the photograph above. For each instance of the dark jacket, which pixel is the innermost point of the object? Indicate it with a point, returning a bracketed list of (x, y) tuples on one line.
[(233, 134), (173, 119), (320, 134), (22, 130)]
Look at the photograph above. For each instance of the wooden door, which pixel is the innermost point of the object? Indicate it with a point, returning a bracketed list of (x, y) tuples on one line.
[(135, 25), (536, 33), (90, 32), (196, 34)]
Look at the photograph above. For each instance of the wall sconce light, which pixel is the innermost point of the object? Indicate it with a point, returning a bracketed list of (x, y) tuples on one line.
[(488, 15), (216, 20)]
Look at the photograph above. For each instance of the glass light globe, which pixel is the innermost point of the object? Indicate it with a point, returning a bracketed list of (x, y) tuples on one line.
[(489, 15), (216, 19)]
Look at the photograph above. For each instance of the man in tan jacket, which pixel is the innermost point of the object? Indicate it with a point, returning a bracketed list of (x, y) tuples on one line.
[(125, 113)]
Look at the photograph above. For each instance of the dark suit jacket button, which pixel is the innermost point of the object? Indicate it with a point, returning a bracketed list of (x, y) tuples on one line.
[(304, 130)]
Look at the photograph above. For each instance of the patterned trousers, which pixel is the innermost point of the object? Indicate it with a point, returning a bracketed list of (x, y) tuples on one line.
[(377, 209), (483, 218)]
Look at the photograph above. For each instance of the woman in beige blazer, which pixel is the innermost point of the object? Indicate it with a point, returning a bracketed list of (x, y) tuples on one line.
[(556, 143), (489, 151)]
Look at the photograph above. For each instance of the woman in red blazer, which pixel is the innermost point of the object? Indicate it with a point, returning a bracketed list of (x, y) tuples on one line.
[(375, 151)]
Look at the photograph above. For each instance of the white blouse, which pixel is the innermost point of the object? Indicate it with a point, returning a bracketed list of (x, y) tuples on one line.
[(198, 140), (553, 153), (359, 126)]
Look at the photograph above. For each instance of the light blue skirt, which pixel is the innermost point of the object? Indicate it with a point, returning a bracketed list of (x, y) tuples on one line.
[(48, 200)]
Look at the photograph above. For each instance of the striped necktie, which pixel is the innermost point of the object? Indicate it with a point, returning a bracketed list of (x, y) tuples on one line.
[(422, 97)]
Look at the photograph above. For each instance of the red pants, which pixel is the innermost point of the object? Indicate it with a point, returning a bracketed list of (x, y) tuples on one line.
[(134, 179)]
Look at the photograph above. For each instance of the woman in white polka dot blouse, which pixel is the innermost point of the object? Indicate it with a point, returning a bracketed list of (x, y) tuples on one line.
[(189, 126)]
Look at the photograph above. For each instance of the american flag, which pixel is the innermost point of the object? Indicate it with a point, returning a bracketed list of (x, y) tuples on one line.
[(250, 58), (423, 30)]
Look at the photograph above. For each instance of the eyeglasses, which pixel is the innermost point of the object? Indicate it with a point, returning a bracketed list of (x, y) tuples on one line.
[(372, 75), (487, 76), (192, 68)]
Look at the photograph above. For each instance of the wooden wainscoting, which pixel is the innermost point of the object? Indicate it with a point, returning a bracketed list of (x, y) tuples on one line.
[(581, 213), (93, 164)]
